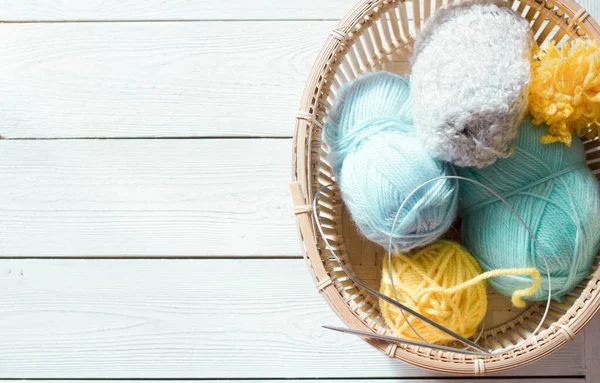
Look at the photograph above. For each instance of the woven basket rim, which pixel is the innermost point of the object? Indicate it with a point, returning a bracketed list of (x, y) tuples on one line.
[(574, 21)]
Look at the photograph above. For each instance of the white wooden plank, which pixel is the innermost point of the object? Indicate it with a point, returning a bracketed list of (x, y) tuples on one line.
[(216, 197), (592, 6), (155, 79), (172, 9), (212, 319), (153, 10)]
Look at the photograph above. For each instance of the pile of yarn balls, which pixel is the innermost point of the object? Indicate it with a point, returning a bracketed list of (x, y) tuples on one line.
[(391, 146)]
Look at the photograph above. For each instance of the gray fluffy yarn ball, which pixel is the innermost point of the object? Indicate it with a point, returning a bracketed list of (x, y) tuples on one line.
[(470, 79)]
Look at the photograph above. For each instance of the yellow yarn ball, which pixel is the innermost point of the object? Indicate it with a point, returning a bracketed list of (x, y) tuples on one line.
[(565, 90), (429, 282)]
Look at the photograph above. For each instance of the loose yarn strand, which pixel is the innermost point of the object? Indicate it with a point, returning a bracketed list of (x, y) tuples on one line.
[(517, 295)]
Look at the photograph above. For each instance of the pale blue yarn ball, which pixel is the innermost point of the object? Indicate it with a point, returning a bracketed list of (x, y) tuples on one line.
[(563, 211), (378, 161)]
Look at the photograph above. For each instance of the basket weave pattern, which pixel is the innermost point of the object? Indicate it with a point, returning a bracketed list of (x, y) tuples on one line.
[(378, 35)]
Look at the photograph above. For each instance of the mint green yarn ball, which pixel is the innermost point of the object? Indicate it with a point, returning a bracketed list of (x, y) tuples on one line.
[(378, 161), (558, 197)]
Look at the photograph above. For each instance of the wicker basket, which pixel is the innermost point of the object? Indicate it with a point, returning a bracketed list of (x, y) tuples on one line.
[(378, 35)]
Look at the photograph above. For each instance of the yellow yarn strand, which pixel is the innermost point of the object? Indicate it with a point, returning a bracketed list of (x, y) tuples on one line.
[(517, 296), (446, 284)]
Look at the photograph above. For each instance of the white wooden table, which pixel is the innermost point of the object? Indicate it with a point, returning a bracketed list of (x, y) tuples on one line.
[(146, 230)]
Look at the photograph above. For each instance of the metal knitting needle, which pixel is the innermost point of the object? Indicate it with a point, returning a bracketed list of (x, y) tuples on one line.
[(411, 311), (384, 297), (388, 338)]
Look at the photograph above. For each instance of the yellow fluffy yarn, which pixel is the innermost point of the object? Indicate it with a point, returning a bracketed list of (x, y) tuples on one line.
[(565, 90), (443, 282)]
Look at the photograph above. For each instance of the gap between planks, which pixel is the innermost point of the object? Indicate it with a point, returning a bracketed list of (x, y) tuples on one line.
[(91, 21), (158, 257), (546, 379), (149, 138)]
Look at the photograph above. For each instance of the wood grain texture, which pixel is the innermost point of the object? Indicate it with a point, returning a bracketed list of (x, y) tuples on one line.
[(164, 10), (51, 10), (593, 8), (163, 79), (215, 197), (200, 319)]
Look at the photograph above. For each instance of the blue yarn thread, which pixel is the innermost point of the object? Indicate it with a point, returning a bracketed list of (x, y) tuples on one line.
[(552, 189), (378, 160)]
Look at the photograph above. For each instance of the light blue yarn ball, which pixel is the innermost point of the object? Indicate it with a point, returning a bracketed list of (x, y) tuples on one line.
[(550, 187), (378, 162)]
